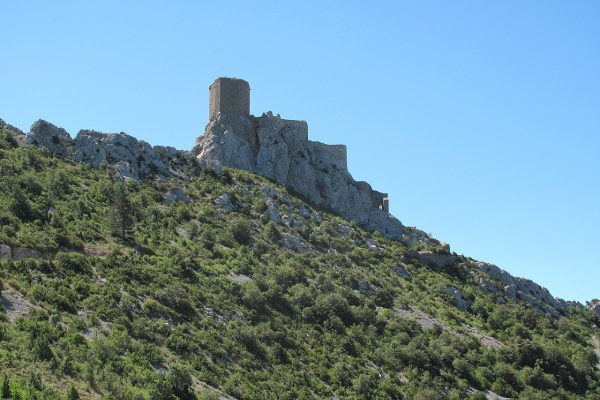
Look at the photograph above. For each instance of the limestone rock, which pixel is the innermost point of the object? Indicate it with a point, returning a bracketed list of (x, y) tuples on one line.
[(96, 147), (280, 150), (172, 197), (523, 289), (228, 140), (412, 236), (124, 170), (385, 223), (224, 202), (344, 230), (294, 243), (272, 211), (402, 272), (55, 139), (437, 260), (19, 253), (495, 272), (9, 127), (459, 299), (5, 252), (486, 285), (372, 244), (365, 287)]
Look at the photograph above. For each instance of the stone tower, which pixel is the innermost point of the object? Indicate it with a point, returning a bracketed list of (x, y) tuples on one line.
[(229, 95)]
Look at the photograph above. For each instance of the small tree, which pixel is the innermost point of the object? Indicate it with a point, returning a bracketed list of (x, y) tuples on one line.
[(241, 232), (6, 393), (72, 393), (120, 217), (181, 382)]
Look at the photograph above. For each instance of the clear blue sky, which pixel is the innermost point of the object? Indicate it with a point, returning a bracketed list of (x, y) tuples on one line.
[(480, 118)]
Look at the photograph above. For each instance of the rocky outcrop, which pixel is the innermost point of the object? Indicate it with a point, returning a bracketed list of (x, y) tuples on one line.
[(45, 134), (279, 150), (17, 253), (130, 157), (402, 272), (9, 127), (5, 252), (459, 299), (436, 260), (521, 289), (594, 305)]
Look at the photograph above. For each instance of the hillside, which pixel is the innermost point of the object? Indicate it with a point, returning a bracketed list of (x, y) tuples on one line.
[(182, 281)]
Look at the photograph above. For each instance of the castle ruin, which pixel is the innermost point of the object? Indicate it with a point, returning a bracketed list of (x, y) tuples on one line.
[(280, 150), (229, 95)]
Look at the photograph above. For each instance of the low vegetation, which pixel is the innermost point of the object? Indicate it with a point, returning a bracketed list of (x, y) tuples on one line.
[(136, 295)]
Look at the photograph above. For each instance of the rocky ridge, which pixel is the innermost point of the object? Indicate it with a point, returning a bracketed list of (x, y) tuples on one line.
[(134, 159), (131, 158)]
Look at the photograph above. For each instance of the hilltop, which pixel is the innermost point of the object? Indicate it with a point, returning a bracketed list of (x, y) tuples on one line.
[(132, 271)]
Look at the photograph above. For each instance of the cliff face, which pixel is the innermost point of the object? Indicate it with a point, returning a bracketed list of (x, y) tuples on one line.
[(280, 150)]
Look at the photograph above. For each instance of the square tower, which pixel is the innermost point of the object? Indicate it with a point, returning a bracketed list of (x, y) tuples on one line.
[(229, 95)]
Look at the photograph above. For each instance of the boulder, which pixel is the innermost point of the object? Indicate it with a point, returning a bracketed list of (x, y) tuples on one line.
[(459, 299), (5, 252), (19, 253), (56, 140), (224, 202), (272, 211), (365, 287), (402, 272), (174, 196), (294, 243)]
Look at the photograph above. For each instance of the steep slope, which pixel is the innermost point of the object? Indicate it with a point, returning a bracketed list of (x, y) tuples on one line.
[(227, 284)]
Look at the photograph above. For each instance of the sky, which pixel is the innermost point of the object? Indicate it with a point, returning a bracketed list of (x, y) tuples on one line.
[(480, 119)]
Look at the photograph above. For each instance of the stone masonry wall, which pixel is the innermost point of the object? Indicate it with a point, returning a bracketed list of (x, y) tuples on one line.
[(229, 95)]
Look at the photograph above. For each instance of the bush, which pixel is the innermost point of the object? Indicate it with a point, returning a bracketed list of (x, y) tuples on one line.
[(72, 393), (5, 389), (73, 262), (241, 232)]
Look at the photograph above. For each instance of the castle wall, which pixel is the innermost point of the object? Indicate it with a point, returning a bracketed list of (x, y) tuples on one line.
[(380, 200), (339, 153), (329, 154), (300, 126), (229, 95)]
